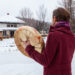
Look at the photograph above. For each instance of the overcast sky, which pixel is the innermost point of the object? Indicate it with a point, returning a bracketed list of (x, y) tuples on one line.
[(14, 6)]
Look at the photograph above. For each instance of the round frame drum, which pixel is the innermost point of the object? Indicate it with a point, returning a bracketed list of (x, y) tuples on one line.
[(27, 33)]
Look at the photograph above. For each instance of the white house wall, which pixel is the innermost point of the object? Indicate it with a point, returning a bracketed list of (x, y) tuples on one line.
[(3, 25)]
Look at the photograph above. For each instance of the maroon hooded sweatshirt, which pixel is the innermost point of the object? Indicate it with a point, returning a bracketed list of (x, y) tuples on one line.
[(58, 52)]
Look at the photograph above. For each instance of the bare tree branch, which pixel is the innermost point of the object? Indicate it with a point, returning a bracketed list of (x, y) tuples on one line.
[(42, 14), (26, 13)]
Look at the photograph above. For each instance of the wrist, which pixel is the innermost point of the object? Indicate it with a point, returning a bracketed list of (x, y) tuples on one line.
[(29, 48)]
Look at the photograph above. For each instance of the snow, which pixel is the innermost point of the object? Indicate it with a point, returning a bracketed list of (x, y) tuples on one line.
[(13, 62), (8, 28), (10, 19)]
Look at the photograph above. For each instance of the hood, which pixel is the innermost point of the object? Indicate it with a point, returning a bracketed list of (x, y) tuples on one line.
[(63, 29)]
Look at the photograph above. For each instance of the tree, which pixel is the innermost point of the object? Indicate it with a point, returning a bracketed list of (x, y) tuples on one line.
[(39, 27), (26, 14), (42, 14)]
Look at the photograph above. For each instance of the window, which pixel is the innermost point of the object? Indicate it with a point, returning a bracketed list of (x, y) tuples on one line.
[(12, 25), (4, 33), (15, 25), (8, 25)]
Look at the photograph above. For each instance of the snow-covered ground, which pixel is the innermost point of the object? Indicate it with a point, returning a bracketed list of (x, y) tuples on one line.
[(13, 62)]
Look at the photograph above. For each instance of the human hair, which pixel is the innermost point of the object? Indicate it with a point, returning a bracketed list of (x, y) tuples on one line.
[(61, 14)]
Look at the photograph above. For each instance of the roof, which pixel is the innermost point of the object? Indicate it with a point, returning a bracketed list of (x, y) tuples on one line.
[(10, 19)]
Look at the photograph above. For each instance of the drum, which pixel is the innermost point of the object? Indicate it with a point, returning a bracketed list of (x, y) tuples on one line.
[(27, 33)]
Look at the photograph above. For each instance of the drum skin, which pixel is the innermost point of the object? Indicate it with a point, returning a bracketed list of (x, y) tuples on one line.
[(27, 33)]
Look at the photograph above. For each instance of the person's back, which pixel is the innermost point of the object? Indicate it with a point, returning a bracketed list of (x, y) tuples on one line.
[(67, 45), (61, 64)]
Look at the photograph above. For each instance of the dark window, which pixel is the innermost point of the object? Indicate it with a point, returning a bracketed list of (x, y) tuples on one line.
[(11, 33), (12, 26), (15, 25), (8, 25), (4, 33)]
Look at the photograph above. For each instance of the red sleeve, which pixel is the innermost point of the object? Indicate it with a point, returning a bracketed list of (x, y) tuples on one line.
[(48, 53)]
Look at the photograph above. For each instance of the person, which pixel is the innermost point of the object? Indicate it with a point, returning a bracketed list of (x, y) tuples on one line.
[(57, 55)]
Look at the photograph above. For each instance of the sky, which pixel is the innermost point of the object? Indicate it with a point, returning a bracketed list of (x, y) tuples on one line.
[(15, 6)]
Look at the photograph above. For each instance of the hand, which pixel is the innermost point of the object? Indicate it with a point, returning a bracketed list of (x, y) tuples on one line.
[(26, 43)]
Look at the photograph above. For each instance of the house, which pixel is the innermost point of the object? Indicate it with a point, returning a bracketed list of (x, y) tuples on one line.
[(8, 25)]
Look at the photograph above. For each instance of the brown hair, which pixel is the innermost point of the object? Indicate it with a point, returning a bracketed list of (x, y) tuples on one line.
[(61, 14)]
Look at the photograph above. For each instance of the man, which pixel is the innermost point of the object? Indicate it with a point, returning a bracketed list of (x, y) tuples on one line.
[(58, 53)]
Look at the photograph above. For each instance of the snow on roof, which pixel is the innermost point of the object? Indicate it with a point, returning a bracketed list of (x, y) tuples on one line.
[(10, 28), (10, 19)]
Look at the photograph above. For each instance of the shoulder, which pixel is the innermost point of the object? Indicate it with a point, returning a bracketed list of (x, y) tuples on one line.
[(55, 34)]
